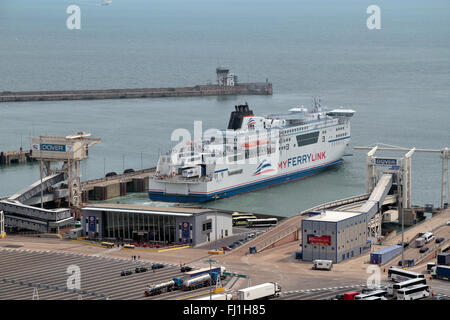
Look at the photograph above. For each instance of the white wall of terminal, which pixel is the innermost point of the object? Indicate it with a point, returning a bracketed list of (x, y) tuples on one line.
[(153, 224), (334, 235)]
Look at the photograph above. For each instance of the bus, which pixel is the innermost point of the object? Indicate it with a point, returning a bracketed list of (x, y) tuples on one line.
[(393, 288), (242, 220), (374, 298), (108, 244), (399, 275), (262, 222), (413, 293), (376, 293)]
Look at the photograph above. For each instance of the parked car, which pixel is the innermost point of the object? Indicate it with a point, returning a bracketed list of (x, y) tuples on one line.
[(423, 249), (405, 244), (232, 245), (225, 248), (439, 240), (157, 266), (185, 269), (251, 235), (125, 273), (440, 298), (140, 269)]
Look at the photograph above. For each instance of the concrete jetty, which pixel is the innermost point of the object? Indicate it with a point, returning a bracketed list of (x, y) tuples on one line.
[(20, 157), (117, 185), (200, 90)]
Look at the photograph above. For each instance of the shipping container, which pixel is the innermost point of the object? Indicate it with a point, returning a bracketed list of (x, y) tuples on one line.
[(443, 259), (260, 291), (385, 254)]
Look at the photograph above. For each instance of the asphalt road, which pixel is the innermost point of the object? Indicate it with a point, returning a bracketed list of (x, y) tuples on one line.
[(22, 270)]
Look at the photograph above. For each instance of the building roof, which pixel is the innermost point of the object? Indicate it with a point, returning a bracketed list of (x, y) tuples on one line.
[(333, 216), (176, 211)]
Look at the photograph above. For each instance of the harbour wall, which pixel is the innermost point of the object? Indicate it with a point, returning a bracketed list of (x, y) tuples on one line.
[(200, 90)]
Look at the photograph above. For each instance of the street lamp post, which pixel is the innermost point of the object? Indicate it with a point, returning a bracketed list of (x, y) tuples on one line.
[(210, 261)]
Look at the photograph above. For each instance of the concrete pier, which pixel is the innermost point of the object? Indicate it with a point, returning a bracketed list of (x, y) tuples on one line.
[(115, 186), (20, 157), (264, 88)]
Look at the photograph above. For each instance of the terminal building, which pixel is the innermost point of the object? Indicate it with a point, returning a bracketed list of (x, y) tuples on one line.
[(334, 235), (165, 225)]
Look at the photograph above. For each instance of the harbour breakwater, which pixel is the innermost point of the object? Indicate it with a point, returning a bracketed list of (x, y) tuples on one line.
[(200, 90)]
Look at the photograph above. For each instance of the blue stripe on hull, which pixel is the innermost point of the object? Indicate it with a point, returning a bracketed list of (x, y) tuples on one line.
[(196, 197)]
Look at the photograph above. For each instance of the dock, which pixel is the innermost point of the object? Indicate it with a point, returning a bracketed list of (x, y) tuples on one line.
[(19, 157), (117, 185), (196, 91)]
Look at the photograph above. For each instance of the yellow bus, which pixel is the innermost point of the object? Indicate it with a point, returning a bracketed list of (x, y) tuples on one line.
[(243, 220), (108, 244)]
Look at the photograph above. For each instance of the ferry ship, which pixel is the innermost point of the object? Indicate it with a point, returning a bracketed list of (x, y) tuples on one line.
[(252, 153)]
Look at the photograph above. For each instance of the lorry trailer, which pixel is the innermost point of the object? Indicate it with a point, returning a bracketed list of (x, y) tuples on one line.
[(441, 272), (200, 281), (221, 296), (261, 291), (443, 259), (385, 254)]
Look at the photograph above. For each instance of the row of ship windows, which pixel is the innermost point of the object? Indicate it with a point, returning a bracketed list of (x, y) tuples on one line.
[(341, 135), (295, 130), (340, 128)]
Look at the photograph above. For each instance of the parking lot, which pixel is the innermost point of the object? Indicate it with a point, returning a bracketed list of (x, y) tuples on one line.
[(21, 271)]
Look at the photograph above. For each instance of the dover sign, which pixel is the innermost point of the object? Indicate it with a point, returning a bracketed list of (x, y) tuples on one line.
[(52, 147)]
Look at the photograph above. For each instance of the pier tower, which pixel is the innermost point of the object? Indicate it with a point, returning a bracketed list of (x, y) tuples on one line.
[(69, 150), (222, 75), (224, 78)]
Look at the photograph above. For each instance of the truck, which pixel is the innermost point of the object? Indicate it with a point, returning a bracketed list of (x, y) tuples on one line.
[(194, 273), (221, 296), (322, 264), (261, 291), (192, 172), (420, 242), (441, 272), (350, 295)]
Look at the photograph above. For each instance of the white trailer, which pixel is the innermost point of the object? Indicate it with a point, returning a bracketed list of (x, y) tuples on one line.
[(322, 264), (261, 291), (420, 242), (192, 172), (221, 296)]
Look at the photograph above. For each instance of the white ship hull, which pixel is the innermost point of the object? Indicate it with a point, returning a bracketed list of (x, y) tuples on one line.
[(288, 162)]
